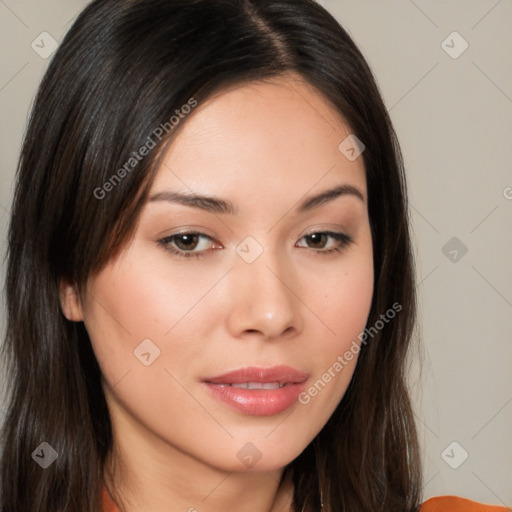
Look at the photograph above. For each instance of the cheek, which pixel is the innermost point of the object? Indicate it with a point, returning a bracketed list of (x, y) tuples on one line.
[(345, 304), (130, 309), (141, 305), (126, 305), (137, 298), (343, 310), (349, 301)]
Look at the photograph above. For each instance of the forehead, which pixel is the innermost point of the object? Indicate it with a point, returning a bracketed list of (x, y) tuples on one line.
[(272, 135)]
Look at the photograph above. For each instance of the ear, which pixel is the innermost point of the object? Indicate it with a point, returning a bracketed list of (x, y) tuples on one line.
[(70, 301)]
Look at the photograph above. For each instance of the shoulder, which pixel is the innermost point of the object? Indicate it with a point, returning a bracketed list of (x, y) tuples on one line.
[(456, 504)]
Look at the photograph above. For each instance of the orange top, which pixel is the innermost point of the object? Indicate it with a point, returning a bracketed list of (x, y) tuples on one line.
[(456, 504), (437, 504)]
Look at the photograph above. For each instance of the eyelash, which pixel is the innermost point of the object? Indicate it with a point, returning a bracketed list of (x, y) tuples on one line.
[(343, 239)]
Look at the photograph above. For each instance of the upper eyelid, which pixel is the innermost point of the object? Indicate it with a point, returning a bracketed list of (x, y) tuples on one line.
[(320, 227)]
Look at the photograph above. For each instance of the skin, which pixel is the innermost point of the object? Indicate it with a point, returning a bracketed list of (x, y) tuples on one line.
[(264, 147)]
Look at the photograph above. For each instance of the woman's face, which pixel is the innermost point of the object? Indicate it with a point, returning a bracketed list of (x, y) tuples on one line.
[(280, 281)]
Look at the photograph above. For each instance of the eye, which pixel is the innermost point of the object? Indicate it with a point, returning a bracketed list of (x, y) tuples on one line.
[(319, 241), (195, 244), (187, 244)]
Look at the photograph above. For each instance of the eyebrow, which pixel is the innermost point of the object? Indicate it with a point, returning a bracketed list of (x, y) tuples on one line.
[(221, 206)]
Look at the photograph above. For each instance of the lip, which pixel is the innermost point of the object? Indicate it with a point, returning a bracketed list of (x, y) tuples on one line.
[(258, 402), (282, 374)]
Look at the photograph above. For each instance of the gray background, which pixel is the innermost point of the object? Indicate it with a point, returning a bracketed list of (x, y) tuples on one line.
[(452, 111)]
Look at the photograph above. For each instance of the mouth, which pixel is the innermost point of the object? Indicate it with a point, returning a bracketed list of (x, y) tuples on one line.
[(258, 391)]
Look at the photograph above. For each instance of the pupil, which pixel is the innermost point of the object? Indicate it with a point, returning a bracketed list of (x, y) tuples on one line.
[(316, 236), (188, 241)]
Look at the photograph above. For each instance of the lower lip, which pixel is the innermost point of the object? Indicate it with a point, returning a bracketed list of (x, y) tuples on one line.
[(257, 402)]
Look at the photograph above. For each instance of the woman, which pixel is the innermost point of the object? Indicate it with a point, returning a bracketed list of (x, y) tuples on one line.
[(210, 283)]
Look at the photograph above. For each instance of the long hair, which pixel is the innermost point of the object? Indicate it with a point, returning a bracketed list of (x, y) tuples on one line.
[(122, 71)]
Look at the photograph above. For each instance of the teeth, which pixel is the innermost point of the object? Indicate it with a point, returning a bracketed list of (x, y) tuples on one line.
[(258, 385)]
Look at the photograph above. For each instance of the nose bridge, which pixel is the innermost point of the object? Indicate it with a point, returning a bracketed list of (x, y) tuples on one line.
[(263, 298)]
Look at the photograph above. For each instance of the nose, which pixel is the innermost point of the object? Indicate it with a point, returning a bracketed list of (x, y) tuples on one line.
[(263, 299)]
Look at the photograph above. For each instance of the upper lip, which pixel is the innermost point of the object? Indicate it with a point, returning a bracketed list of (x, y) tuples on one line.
[(282, 374)]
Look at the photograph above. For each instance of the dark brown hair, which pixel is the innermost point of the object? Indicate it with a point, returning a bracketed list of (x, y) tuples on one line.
[(123, 70)]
